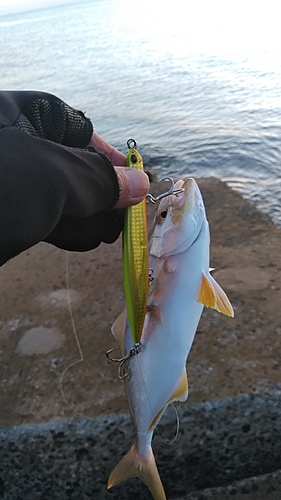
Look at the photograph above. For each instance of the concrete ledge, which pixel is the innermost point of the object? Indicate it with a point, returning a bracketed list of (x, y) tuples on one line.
[(218, 443), (254, 488)]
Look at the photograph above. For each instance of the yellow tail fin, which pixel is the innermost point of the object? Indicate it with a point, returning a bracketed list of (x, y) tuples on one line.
[(132, 465)]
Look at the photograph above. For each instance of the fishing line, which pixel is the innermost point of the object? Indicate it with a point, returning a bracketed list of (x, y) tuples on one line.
[(168, 443), (76, 361)]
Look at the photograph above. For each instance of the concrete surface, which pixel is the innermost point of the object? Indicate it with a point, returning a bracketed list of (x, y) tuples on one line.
[(219, 443)]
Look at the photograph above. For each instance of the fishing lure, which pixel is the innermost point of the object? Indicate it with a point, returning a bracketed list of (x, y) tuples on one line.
[(136, 272), (135, 254)]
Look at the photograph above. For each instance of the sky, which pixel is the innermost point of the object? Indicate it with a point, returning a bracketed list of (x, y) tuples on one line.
[(11, 6)]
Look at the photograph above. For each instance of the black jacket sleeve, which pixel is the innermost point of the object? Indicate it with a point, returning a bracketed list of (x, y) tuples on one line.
[(51, 188)]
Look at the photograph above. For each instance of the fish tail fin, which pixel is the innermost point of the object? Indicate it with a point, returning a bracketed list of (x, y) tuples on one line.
[(133, 465)]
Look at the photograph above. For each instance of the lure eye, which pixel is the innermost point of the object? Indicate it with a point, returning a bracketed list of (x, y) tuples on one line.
[(162, 215), (133, 158)]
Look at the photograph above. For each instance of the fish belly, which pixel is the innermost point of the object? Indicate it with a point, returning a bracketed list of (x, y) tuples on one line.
[(158, 368)]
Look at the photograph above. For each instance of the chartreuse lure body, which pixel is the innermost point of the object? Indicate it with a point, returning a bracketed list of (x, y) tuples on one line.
[(135, 254)]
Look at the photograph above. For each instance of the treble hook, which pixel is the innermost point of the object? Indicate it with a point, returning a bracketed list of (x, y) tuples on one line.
[(172, 190), (134, 350)]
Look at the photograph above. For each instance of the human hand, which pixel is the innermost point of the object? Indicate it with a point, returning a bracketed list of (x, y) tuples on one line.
[(134, 184), (52, 188), (112, 153)]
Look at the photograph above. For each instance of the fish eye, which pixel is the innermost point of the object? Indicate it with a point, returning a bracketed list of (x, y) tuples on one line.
[(133, 158), (162, 215)]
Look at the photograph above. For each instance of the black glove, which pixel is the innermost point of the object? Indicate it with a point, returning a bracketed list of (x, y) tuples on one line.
[(79, 235), (50, 188)]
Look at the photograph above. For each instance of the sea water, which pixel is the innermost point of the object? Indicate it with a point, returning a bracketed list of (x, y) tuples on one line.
[(197, 84)]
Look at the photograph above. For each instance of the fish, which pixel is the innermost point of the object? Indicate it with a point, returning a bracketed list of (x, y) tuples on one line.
[(135, 254), (181, 286)]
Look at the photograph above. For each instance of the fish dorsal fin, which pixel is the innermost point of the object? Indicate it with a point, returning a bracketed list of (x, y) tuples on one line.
[(118, 329), (212, 295), (180, 394)]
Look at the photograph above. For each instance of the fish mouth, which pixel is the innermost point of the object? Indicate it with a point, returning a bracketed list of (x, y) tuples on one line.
[(187, 201), (182, 203), (168, 236), (190, 191)]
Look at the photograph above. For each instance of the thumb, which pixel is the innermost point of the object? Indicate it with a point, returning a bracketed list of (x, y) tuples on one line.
[(134, 186)]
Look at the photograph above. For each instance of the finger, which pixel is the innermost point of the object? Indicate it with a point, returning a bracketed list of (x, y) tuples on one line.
[(112, 153), (134, 186)]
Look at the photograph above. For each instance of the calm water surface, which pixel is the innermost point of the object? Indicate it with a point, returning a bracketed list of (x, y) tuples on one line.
[(197, 84)]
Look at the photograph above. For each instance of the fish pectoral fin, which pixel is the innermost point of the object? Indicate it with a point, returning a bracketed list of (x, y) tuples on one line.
[(118, 329), (212, 295), (133, 465), (180, 394)]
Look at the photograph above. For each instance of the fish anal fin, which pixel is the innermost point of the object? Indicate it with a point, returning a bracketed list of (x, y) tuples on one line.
[(181, 391), (179, 394), (118, 329), (133, 465), (212, 295), (156, 419)]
